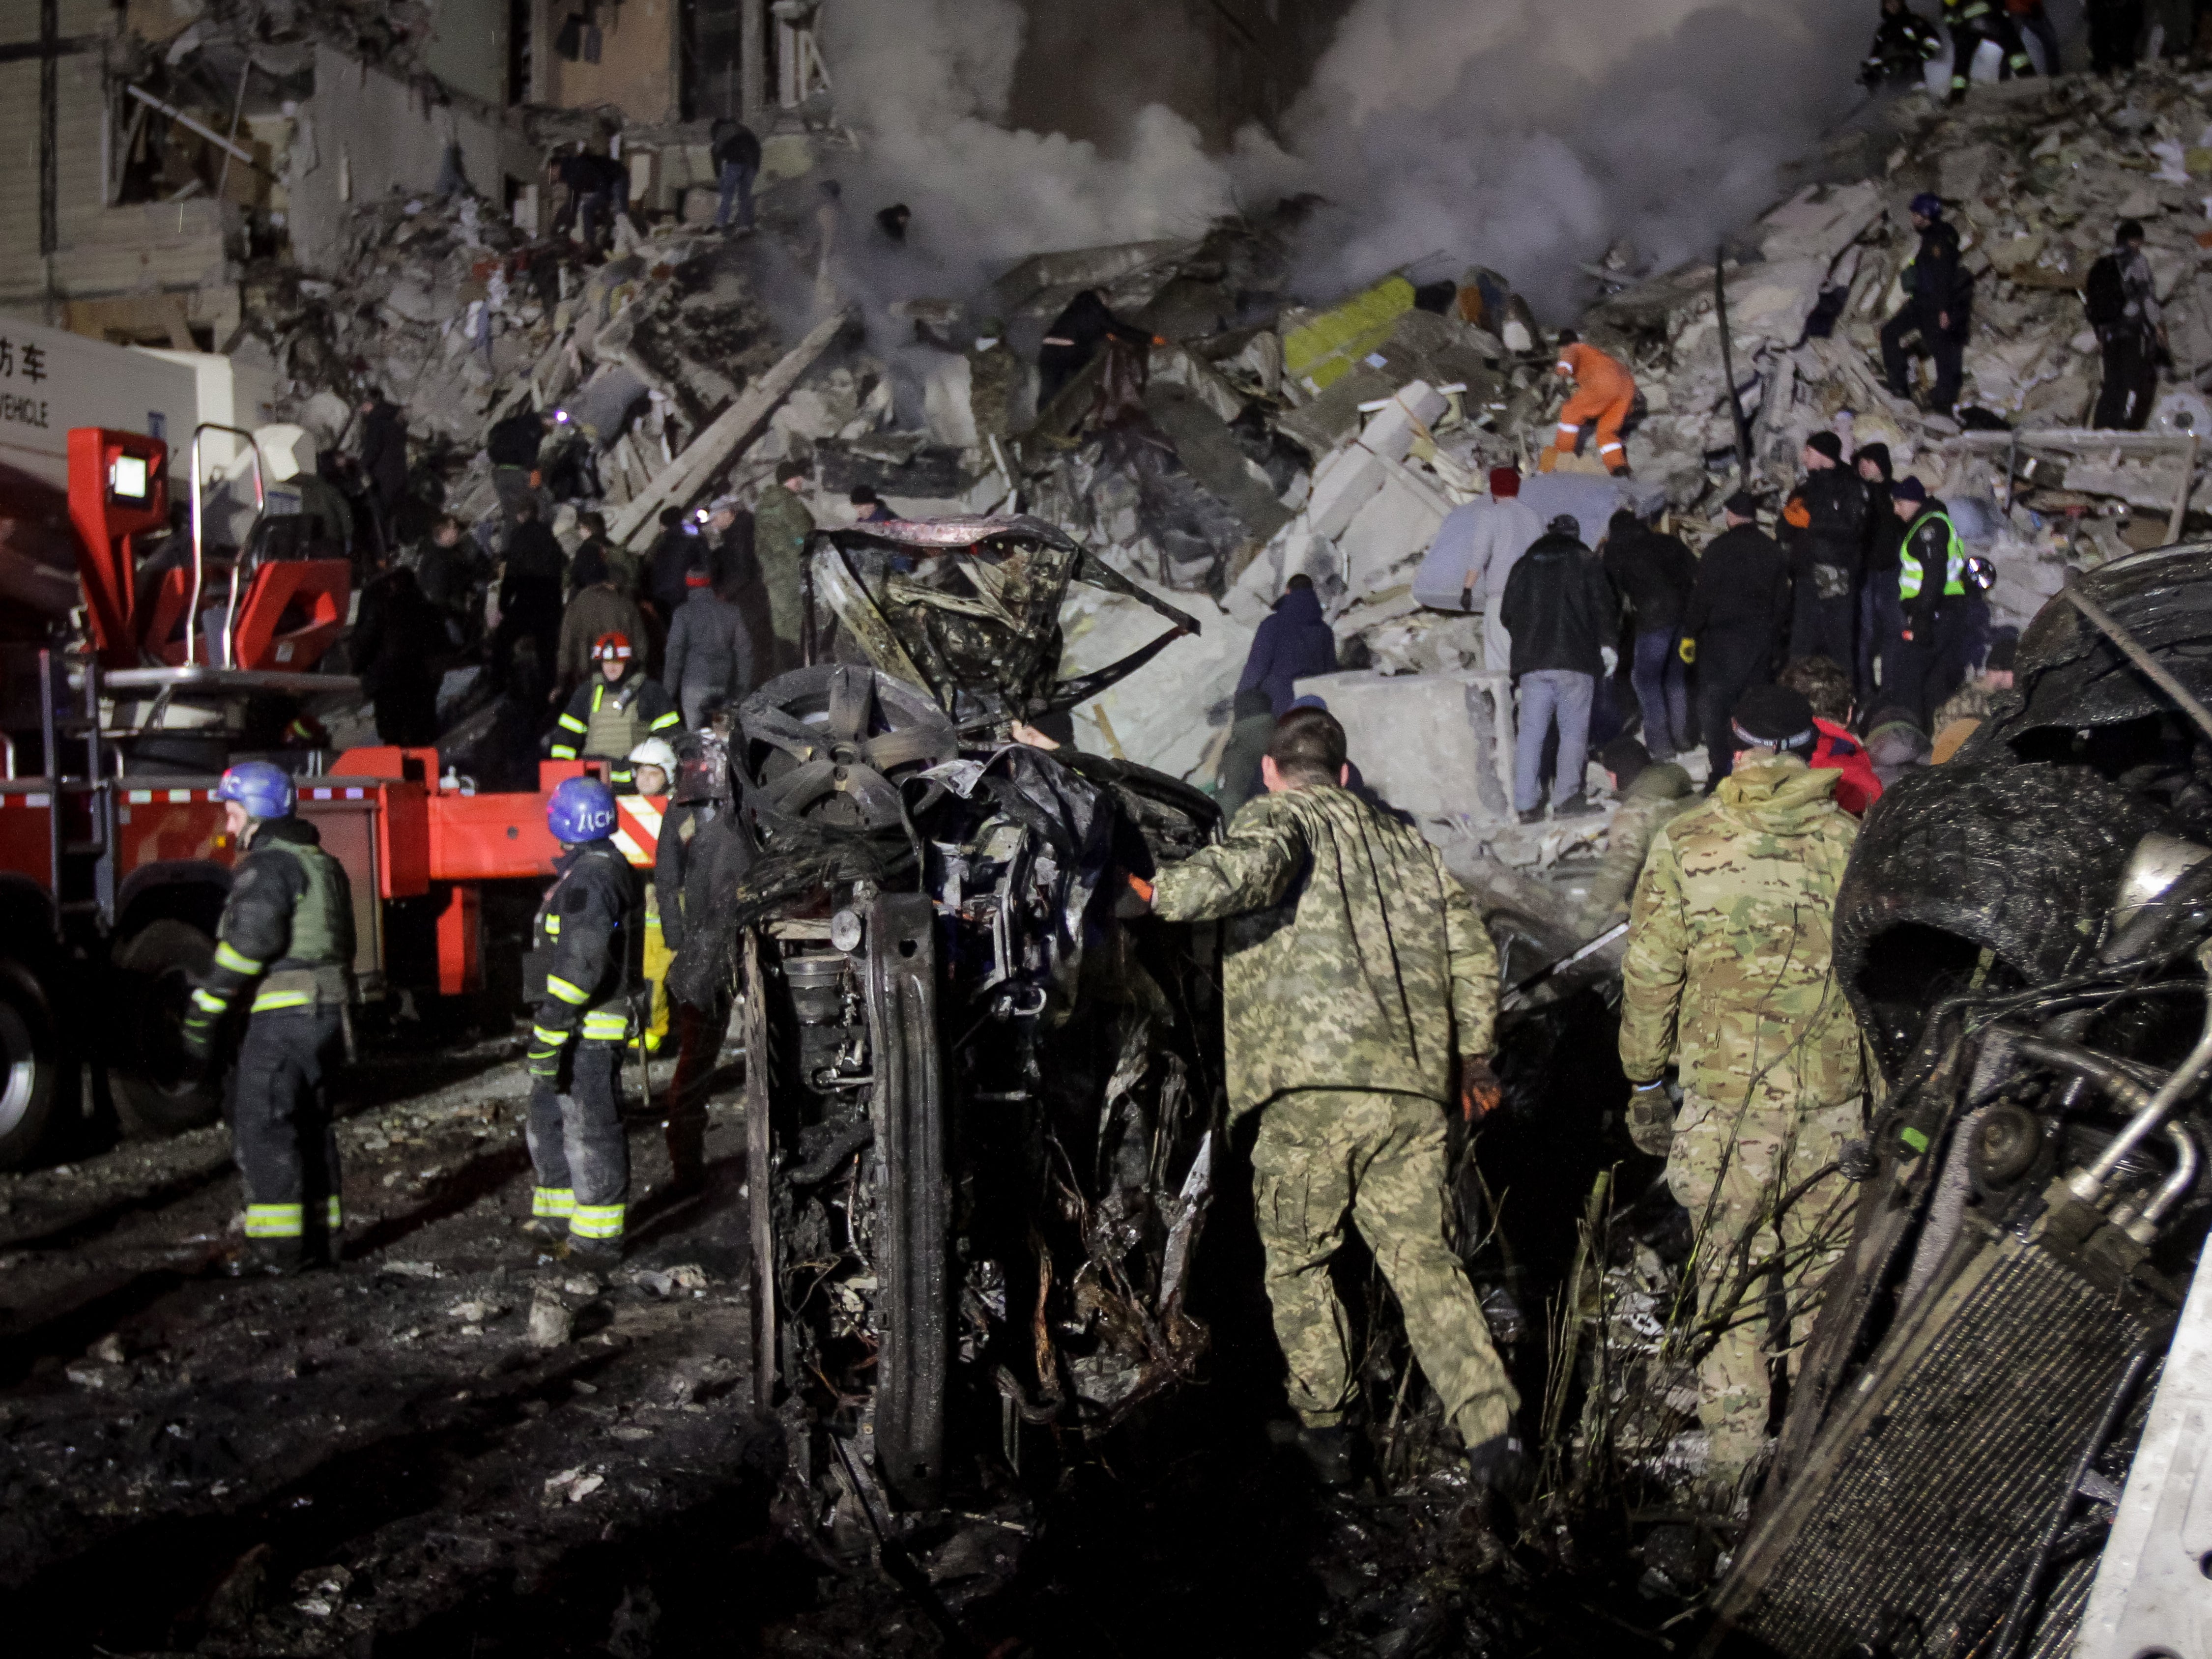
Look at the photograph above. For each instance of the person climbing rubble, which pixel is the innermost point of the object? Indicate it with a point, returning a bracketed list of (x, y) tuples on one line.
[(1827, 517), (995, 376), (1604, 394), (512, 446), (1563, 616), (587, 941), (599, 194), (1729, 979), (1077, 334), (1650, 793), (1939, 296), (1904, 43), (1931, 594), (1971, 22), (736, 154), (610, 713), (781, 523), (1353, 966), (1732, 630), (1292, 642), (286, 934), (2121, 300)]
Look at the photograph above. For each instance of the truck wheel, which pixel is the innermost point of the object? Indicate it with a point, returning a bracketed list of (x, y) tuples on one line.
[(30, 1066), (157, 1090)]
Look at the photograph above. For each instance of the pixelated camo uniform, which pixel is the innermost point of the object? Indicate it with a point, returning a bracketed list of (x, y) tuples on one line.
[(1729, 975), (1353, 963)]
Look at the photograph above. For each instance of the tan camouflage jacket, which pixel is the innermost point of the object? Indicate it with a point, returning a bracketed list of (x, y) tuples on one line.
[(1662, 791), (1728, 971), (1353, 955)]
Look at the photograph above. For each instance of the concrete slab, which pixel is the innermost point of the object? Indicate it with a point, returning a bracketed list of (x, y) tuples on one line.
[(1439, 746)]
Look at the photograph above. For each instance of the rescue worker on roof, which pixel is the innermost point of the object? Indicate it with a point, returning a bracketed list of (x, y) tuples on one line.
[(614, 711), (585, 946), (1729, 978), (1354, 966), (286, 936), (652, 764), (1973, 21), (1904, 43), (1605, 391), (1931, 594)]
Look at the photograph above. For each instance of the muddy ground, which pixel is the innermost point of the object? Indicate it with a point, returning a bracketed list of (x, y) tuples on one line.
[(383, 1460)]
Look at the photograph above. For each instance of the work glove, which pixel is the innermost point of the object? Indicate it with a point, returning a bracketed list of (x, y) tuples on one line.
[(1651, 1118), (1136, 898), (1479, 1090), (1687, 651), (1856, 1161), (1467, 598)]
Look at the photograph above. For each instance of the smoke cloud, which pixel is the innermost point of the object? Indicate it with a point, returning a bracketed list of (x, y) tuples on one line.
[(1525, 134)]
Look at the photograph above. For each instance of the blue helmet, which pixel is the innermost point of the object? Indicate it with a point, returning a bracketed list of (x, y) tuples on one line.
[(581, 810), (1928, 206), (265, 790)]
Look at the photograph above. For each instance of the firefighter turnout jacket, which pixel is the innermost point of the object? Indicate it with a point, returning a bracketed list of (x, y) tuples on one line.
[(287, 929), (585, 945), (606, 721)]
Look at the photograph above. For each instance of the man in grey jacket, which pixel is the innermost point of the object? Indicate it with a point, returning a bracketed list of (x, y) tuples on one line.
[(710, 649)]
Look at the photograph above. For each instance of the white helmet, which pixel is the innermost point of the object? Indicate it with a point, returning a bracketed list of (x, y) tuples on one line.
[(656, 751)]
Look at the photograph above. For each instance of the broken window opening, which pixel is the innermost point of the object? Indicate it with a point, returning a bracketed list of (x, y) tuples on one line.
[(521, 50)]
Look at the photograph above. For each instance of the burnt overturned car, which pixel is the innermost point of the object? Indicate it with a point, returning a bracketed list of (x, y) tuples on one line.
[(1993, 1444), (981, 1110)]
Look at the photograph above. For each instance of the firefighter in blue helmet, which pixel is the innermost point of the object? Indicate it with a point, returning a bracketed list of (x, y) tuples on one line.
[(586, 943), (285, 947)]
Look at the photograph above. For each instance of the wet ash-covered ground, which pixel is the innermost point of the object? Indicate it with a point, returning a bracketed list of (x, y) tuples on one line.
[(454, 1445)]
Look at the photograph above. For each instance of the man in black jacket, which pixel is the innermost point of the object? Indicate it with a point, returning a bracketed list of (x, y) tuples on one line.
[(384, 459), (1939, 297), (1563, 616), (530, 578), (599, 189), (1904, 43), (703, 852), (1826, 516), (512, 448), (587, 945), (399, 637), (737, 156), (1654, 574), (1731, 634), (287, 935), (2123, 303), (1878, 567)]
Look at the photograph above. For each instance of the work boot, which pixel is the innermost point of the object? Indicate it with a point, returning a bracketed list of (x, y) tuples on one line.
[(590, 1252), (1577, 805), (544, 1230), (1500, 1463), (1534, 815)]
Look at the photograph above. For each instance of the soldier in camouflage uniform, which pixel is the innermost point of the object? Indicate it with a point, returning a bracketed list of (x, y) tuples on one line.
[(1728, 976), (993, 376), (1354, 963), (782, 524), (1651, 793)]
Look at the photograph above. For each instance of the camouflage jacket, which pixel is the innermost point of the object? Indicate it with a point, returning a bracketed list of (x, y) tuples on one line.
[(782, 524), (1352, 958), (1661, 791), (1728, 969), (1971, 701)]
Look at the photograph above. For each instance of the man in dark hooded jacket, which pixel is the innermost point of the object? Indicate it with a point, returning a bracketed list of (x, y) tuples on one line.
[(1826, 516), (1939, 298), (1290, 644), (1738, 611), (1878, 571), (1563, 616), (1655, 574), (383, 455)]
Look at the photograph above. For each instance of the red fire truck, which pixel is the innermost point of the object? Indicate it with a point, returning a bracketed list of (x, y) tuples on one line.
[(114, 861)]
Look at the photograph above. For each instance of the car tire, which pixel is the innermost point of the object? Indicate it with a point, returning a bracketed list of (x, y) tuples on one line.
[(31, 1065), (157, 1091)]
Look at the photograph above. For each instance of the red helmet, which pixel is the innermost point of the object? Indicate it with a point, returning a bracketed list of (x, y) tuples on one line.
[(610, 646)]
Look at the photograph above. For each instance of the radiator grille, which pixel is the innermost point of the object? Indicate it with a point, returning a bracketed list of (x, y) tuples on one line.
[(1942, 1492)]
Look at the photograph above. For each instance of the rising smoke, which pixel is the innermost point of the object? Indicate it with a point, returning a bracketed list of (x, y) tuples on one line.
[(1525, 134)]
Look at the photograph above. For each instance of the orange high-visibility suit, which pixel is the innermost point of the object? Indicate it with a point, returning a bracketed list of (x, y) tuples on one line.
[(1604, 392)]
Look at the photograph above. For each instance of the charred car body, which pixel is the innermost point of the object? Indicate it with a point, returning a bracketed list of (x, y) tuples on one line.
[(2024, 934), (981, 1111)]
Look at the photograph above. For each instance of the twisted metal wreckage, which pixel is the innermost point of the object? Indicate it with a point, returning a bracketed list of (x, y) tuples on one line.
[(983, 1112)]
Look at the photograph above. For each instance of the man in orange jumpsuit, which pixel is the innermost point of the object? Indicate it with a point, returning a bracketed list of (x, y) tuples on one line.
[(1604, 392)]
